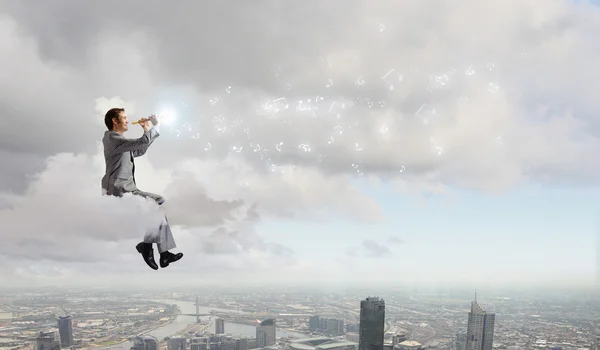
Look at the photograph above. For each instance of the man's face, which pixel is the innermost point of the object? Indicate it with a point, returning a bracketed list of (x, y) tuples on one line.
[(121, 124)]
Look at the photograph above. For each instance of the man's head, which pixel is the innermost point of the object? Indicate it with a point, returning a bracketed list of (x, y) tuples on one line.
[(116, 120)]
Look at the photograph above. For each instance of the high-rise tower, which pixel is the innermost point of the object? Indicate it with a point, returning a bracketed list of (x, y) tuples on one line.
[(480, 328), (65, 330), (372, 324)]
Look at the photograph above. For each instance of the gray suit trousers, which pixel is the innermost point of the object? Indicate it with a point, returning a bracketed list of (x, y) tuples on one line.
[(161, 236)]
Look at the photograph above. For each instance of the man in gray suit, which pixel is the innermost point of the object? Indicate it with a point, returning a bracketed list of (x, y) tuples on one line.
[(119, 154)]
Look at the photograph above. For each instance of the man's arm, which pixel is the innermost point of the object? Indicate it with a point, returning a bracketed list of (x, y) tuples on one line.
[(122, 144), (141, 151)]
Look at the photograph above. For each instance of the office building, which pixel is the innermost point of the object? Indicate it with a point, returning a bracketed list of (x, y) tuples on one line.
[(219, 326), (65, 330), (199, 343), (266, 333), (480, 328), (314, 323), (145, 342), (47, 340), (177, 343), (460, 341), (241, 344), (399, 338), (372, 324)]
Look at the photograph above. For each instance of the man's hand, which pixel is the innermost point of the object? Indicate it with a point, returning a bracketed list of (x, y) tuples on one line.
[(154, 119), (145, 124)]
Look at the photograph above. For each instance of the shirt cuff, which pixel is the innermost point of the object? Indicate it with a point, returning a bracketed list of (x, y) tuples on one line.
[(157, 128)]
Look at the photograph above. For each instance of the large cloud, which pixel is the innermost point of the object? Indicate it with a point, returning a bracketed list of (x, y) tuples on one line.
[(512, 84)]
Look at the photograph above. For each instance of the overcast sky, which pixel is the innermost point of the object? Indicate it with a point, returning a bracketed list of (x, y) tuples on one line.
[(350, 140)]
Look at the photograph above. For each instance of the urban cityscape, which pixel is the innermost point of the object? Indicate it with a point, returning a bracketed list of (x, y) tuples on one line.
[(281, 319)]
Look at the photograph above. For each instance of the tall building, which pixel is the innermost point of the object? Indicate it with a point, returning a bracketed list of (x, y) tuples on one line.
[(241, 344), (65, 329), (314, 323), (177, 343), (266, 333), (460, 342), (199, 343), (145, 342), (48, 340), (480, 328), (372, 324), (219, 326)]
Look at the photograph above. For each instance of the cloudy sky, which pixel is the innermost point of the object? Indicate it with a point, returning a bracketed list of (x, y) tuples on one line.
[(354, 140)]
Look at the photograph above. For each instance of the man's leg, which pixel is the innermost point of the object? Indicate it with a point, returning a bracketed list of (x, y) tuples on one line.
[(163, 237)]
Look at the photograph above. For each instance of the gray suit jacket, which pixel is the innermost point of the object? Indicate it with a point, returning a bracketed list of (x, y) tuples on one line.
[(119, 153)]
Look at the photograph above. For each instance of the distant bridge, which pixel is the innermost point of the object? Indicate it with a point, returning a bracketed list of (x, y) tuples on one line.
[(195, 315)]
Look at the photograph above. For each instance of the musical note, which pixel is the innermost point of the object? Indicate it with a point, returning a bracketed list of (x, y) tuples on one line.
[(280, 102), (390, 78), (302, 106), (304, 147), (329, 83), (493, 88), (208, 146), (425, 112), (278, 146), (228, 89)]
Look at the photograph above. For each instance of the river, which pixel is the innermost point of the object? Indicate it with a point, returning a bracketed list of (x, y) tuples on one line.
[(181, 322)]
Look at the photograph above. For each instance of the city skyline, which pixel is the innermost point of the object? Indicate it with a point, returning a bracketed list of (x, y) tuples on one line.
[(120, 320)]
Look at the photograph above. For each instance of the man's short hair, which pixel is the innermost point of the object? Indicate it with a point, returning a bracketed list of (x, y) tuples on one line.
[(112, 113)]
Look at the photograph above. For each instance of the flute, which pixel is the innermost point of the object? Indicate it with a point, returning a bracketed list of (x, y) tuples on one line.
[(143, 120)]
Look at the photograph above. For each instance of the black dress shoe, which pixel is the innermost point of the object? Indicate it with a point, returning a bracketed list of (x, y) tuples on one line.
[(147, 253), (167, 257)]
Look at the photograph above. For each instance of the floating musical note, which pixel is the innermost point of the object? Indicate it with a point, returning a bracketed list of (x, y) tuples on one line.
[(392, 77), (426, 112), (304, 147), (280, 102)]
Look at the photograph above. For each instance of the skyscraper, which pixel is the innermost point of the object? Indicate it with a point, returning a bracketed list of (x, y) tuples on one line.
[(219, 326), (47, 340), (480, 328), (265, 333), (145, 342), (372, 324), (65, 329), (177, 343)]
